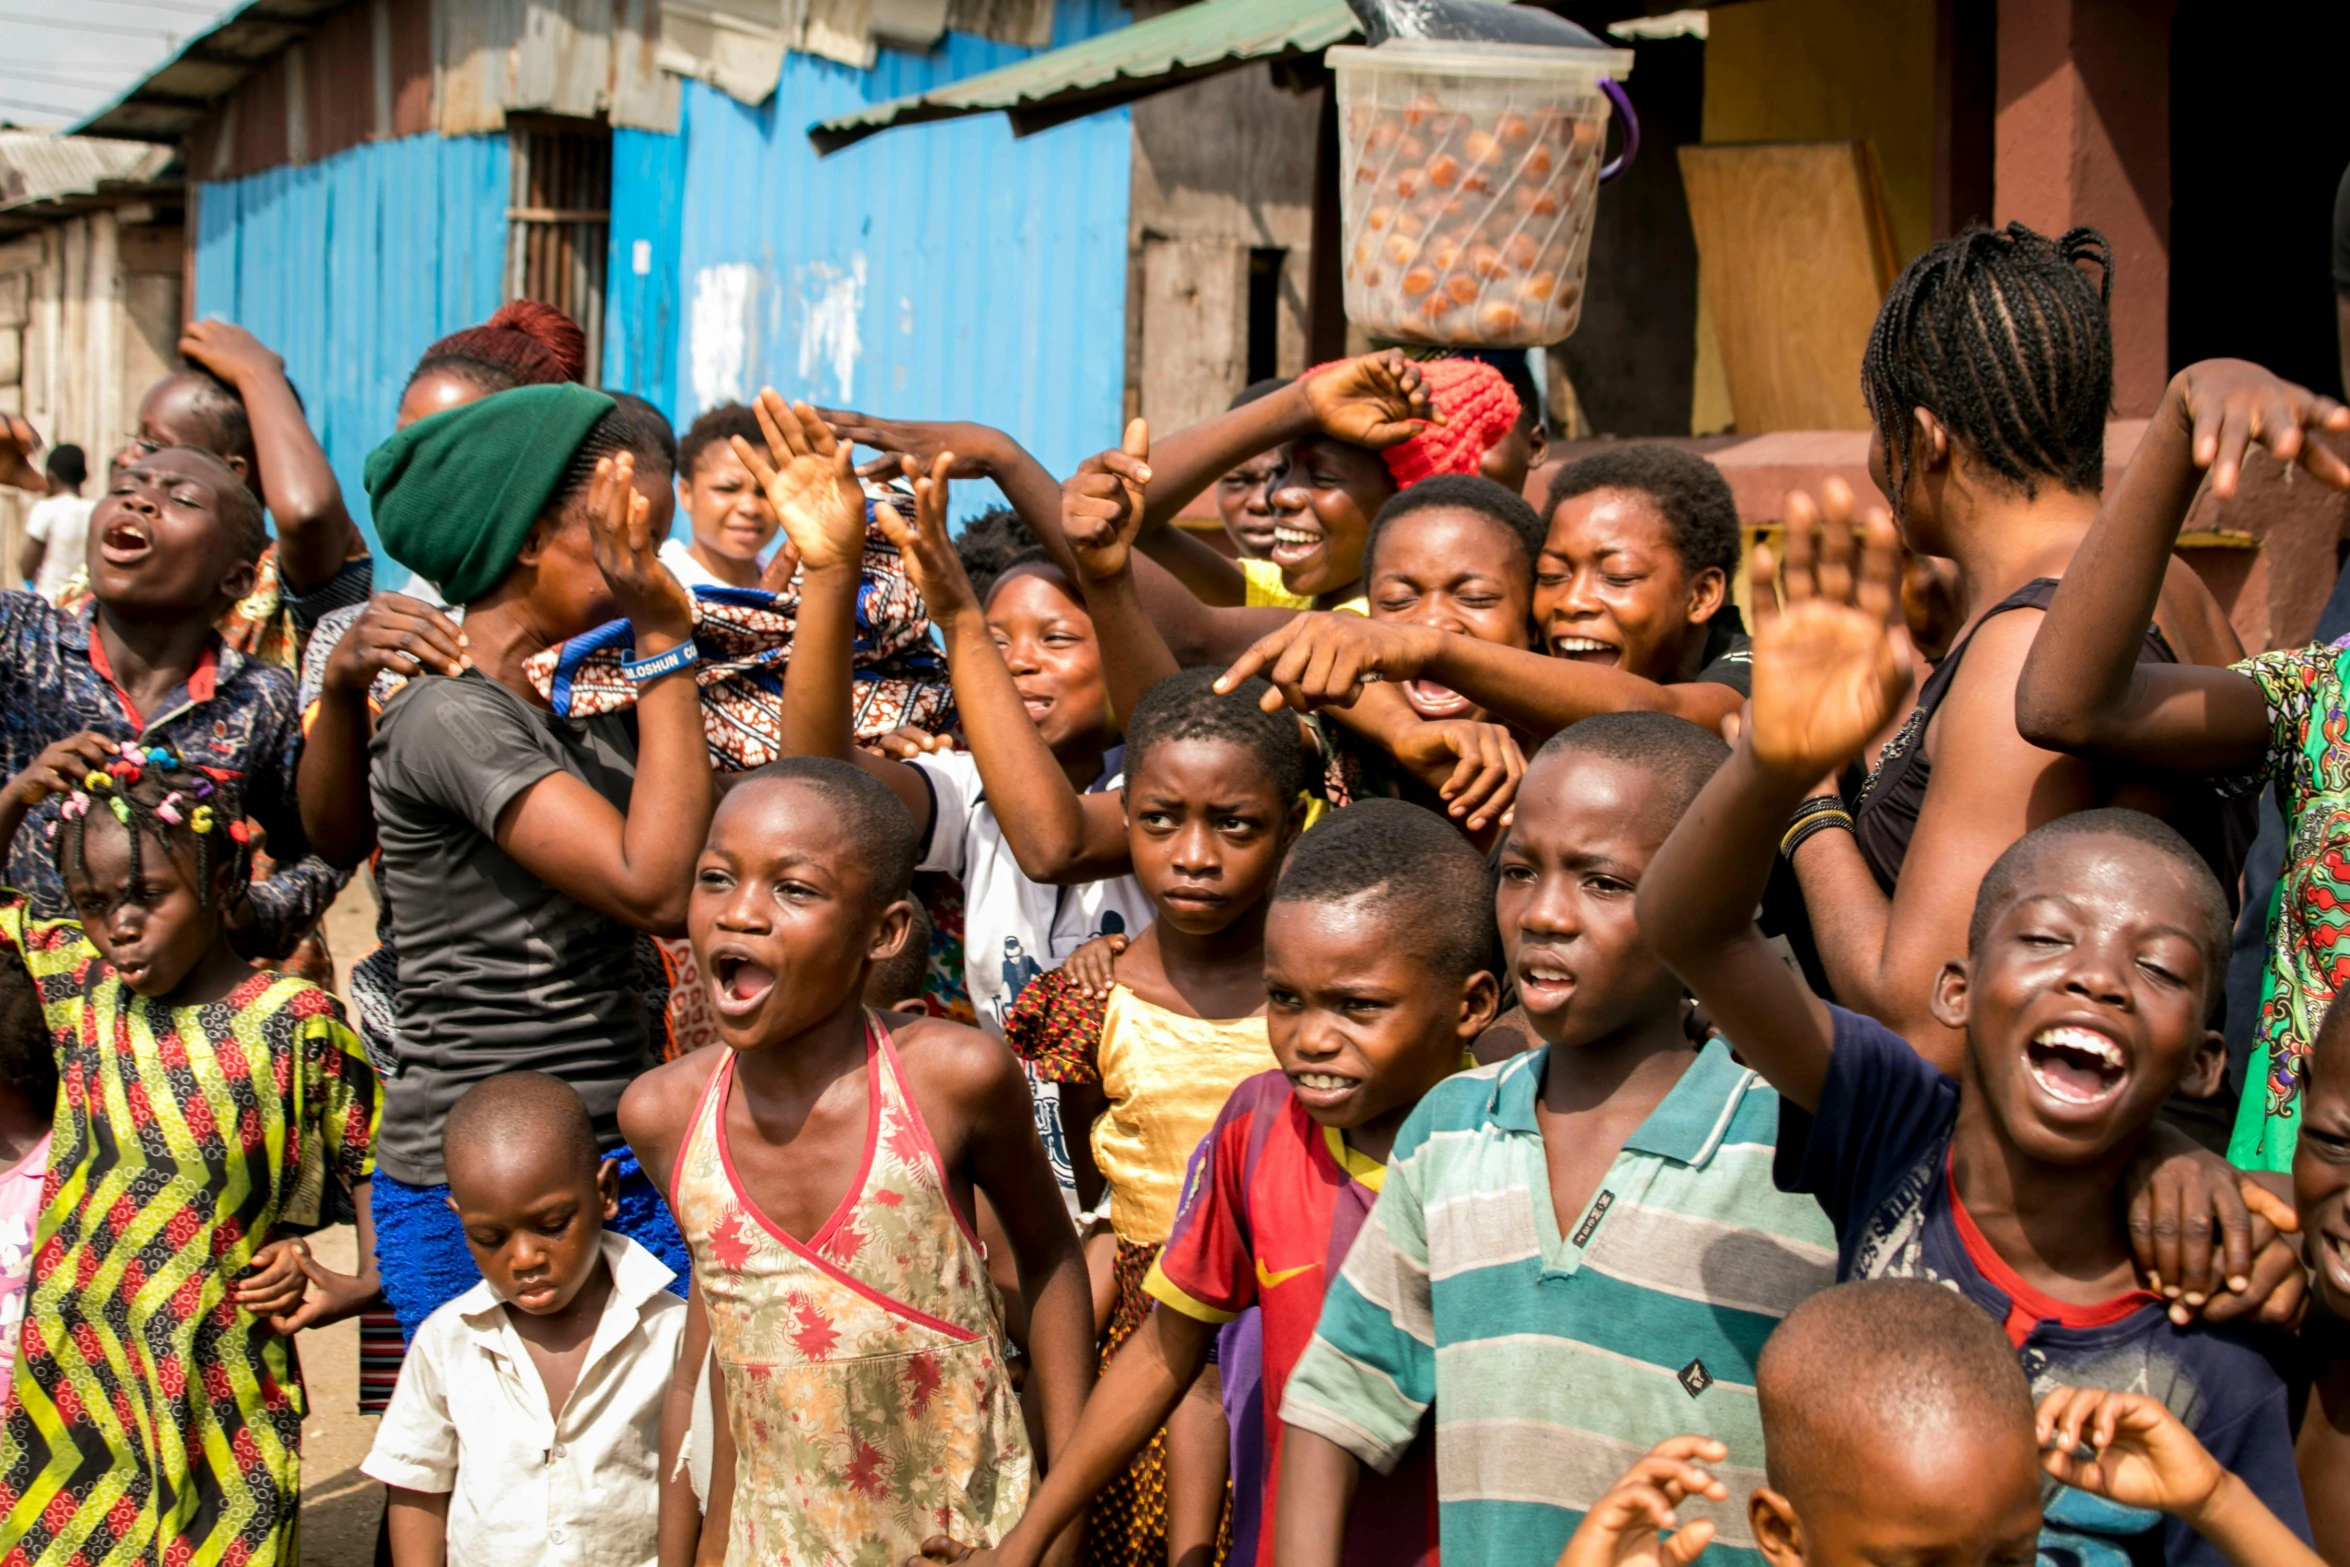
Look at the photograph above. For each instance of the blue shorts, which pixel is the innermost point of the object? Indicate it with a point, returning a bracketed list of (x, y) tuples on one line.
[(420, 1245)]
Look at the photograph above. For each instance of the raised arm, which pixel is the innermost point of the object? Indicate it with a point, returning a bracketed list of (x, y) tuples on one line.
[(636, 868), (980, 452), (1827, 678), (1056, 834), (1325, 659), (2082, 688), (403, 636), (315, 534)]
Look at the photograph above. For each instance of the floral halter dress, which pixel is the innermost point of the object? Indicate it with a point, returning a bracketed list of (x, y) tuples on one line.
[(865, 1379)]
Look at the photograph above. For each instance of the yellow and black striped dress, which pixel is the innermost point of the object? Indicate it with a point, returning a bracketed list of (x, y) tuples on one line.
[(150, 1420)]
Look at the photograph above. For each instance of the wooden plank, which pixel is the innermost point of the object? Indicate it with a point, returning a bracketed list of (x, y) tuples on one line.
[(1795, 252), (1194, 328)]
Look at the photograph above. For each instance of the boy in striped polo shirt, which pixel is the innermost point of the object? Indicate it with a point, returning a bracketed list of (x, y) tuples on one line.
[(1379, 971), (1577, 1252)]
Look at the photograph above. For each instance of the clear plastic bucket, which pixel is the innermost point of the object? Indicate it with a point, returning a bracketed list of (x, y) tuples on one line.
[(1470, 174)]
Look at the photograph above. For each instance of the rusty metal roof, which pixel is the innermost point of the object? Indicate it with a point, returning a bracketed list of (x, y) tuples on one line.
[(1185, 44), (43, 175), (164, 104)]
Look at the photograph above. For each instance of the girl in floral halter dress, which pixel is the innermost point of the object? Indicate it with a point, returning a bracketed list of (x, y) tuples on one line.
[(867, 1405)]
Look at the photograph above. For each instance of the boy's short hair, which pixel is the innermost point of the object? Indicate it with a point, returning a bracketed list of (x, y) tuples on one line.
[(714, 428), (1679, 755), (2003, 880), (1858, 1361), (906, 976), (1187, 706), (1428, 879), (522, 1110), (1256, 390), (887, 839), (68, 465), (1695, 499), (28, 1062), (1465, 492), (216, 403), (630, 425)]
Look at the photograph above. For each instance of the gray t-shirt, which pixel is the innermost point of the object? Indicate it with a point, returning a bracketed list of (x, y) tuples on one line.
[(498, 971)]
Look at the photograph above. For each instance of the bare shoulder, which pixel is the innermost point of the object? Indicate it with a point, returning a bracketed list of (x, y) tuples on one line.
[(952, 1060), (656, 1107)]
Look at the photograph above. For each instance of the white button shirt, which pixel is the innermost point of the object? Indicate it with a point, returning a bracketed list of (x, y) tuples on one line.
[(530, 1488)]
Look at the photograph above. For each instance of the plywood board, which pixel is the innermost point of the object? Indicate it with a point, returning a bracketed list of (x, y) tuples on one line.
[(1194, 328), (1794, 253)]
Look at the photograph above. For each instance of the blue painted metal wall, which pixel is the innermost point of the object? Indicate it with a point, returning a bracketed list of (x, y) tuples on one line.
[(350, 266), (940, 271)]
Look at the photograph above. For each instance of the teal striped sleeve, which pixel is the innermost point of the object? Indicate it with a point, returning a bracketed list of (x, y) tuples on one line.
[(1370, 1372)]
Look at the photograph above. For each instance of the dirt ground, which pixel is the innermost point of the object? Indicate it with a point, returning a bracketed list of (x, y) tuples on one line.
[(340, 1506)]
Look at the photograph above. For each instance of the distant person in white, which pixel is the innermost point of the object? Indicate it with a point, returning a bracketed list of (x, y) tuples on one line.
[(57, 532), (727, 513)]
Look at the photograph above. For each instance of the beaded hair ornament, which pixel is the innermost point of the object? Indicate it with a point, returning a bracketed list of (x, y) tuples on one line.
[(151, 790)]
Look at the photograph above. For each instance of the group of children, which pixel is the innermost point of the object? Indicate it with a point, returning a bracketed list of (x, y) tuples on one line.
[(1063, 1042)]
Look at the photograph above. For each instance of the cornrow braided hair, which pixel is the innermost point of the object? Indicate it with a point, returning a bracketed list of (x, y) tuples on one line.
[(2001, 336), (152, 792)]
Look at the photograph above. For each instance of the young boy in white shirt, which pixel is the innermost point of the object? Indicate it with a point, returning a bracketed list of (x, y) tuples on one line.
[(525, 1431)]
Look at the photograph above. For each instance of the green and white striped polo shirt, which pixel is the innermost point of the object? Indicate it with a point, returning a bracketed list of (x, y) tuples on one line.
[(1555, 1355)]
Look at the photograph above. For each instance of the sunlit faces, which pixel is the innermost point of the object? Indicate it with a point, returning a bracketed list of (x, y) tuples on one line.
[(784, 915), (1570, 872), (1047, 640), (1206, 828), (1456, 570), (533, 1218), (1358, 1021), (158, 539), (1244, 499), (154, 928), (1323, 503), (172, 413), (1611, 589), (725, 507), (2085, 1005), (436, 391), (2321, 1170), (1963, 1494)]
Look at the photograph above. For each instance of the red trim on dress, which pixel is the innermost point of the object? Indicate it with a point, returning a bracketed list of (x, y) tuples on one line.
[(938, 1163), (203, 682), (805, 1251), (2028, 1307)]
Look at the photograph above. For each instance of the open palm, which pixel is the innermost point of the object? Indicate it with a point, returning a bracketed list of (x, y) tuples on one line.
[(1375, 400), (1828, 675), (809, 478)]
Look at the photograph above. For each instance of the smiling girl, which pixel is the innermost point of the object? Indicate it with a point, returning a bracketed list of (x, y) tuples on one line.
[(156, 1407)]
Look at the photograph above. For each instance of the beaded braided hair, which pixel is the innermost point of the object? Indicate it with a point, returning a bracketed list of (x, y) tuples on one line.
[(2003, 337), (152, 792)]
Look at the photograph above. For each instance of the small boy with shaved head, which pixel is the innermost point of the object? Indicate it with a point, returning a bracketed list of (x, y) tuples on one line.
[(526, 1426)]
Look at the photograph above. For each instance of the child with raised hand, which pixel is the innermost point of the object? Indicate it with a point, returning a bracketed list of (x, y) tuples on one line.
[(2131, 1450), (823, 1167), (1630, 603), (527, 1417), (1532, 1280), (725, 508), (1379, 969), (2083, 996), (2275, 717), (156, 1404)]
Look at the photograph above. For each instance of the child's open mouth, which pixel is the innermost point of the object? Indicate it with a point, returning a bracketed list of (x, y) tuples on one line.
[(1544, 986), (124, 543), (1322, 1090), (1586, 650), (1431, 700), (741, 982), (1294, 546), (2076, 1066)]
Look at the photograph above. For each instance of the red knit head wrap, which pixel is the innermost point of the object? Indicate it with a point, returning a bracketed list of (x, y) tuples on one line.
[(1478, 407), (525, 344)]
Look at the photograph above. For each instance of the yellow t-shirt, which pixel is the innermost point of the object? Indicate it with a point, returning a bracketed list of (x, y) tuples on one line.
[(1266, 590)]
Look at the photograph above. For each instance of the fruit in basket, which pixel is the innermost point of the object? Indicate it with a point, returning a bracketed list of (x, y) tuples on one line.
[(1519, 251), (1498, 319), (1482, 147), (1484, 260), (1378, 218), (1462, 287), (1400, 249), (1540, 286), (1407, 182), (1444, 171), (1419, 109), (1419, 280)]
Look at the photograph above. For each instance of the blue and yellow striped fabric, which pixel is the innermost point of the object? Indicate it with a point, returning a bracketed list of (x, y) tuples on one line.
[(1554, 1355)]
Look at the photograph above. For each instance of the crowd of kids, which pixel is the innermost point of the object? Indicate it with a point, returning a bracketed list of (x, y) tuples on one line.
[(1448, 1012)]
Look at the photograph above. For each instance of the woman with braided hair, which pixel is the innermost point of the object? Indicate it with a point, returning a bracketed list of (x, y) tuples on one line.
[(1989, 375), (155, 1410)]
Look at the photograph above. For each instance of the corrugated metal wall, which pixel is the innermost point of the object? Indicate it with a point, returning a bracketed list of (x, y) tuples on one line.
[(940, 271), (352, 265)]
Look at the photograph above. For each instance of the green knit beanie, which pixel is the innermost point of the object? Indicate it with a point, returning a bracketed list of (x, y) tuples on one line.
[(455, 494)]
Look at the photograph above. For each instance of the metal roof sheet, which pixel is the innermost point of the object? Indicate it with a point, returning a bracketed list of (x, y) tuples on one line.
[(44, 176), (1132, 62), (163, 105)]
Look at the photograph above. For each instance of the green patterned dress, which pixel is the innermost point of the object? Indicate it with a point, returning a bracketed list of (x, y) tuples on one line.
[(150, 1420)]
